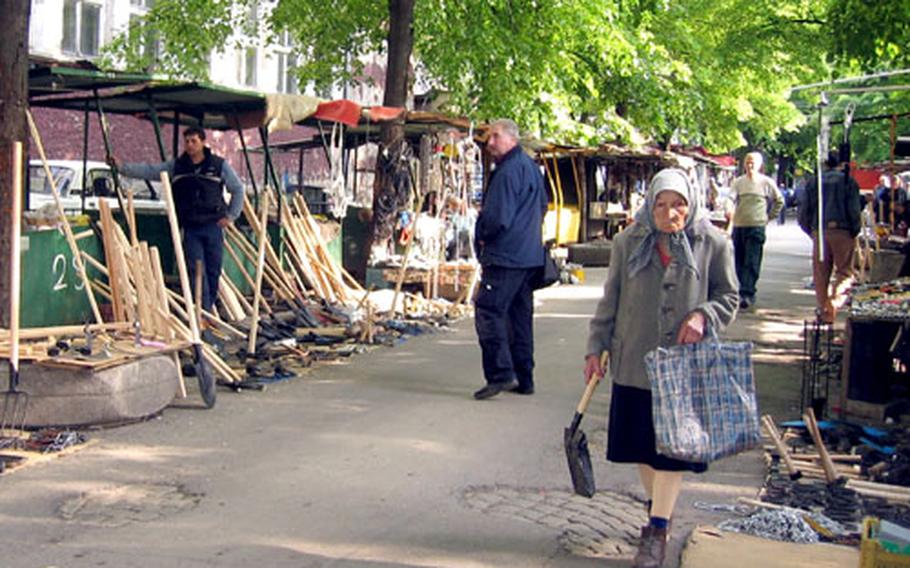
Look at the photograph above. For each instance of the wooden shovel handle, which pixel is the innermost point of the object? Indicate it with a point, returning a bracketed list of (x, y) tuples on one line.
[(592, 384), (771, 428), (181, 259), (15, 251), (827, 464)]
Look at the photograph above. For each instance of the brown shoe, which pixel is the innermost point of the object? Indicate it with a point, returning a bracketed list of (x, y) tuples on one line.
[(651, 547)]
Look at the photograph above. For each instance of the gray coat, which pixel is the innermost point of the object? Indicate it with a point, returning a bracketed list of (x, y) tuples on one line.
[(637, 314)]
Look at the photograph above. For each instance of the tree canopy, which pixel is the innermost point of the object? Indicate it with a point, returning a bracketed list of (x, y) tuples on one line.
[(711, 72)]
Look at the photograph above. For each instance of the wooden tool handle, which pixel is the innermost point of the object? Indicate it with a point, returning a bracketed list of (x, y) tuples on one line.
[(827, 464), (779, 444), (260, 269), (181, 260), (15, 259), (592, 384)]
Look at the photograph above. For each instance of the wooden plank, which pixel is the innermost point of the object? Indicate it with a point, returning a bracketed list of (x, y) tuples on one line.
[(181, 382), (113, 275), (58, 330), (240, 266), (161, 295), (828, 465), (768, 423), (260, 269)]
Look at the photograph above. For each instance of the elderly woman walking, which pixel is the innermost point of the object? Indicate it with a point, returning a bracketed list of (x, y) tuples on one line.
[(671, 278)]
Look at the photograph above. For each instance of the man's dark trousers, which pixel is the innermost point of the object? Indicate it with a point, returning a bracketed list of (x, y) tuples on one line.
[(205, 243), (748, 243), (503, 317)]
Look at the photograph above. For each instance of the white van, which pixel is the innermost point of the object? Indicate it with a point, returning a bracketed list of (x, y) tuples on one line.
[(99, 180)]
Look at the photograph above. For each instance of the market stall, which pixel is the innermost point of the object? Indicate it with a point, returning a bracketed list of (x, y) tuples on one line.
[(875, 375)]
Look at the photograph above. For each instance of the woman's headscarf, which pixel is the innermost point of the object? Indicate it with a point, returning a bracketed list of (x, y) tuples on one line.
[(669, 179)]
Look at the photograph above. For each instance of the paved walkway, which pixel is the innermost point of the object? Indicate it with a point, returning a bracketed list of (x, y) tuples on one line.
[(383, 460)]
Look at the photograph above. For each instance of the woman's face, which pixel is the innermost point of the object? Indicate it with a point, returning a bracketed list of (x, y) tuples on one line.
[(670, 212)]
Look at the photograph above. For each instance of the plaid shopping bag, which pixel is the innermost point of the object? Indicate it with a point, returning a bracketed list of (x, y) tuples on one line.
[(703, 399)]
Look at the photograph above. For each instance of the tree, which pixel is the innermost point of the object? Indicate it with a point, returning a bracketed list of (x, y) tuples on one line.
[(869, 34), (711, 72), (13, 102)]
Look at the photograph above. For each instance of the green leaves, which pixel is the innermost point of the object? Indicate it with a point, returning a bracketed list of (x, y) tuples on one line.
[(190, 30), (709, 72)]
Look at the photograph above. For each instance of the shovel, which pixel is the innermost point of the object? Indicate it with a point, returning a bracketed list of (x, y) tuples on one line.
[(576, 442), (15, 402), (203, 371)]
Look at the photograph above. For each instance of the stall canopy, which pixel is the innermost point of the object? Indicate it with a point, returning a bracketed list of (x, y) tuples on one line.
[(207, 105), (48, 77), (367, 129)]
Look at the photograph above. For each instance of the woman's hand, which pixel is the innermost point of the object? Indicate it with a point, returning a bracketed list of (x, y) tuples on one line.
[(593, 367), (692, 328)]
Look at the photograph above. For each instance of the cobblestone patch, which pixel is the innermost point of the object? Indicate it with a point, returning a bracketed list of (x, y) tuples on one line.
[(126, 504), (605, 526)]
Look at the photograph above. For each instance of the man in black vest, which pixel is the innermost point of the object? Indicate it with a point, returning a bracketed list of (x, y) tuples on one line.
[(198, 178)]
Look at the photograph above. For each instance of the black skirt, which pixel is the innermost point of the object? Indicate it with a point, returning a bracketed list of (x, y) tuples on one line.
[(630, 437)]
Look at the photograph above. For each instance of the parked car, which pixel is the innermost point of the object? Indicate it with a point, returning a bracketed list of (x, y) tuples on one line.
[(68, 177)]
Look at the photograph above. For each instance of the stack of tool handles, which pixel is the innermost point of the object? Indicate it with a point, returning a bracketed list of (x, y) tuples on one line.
[(133, 280)]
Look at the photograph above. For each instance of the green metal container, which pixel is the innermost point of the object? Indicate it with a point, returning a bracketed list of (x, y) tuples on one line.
[(52, 290)]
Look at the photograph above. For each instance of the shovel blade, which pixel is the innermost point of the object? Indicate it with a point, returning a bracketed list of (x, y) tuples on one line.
[(579, 460), (204, 376)]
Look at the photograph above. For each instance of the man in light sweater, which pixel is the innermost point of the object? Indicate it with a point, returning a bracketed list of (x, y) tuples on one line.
[(757, 200)]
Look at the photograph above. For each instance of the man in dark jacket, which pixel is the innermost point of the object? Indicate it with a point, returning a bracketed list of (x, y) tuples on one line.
[(198, 178), (510, 250), (841, 225)]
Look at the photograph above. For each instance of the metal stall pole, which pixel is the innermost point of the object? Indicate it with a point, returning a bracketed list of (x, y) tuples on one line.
[(300, 169), (175, 138), (356, 168), (249, 164), (270, 169), (153, 114), (85, 127), (105, 136), (821, 146), (893, 140)]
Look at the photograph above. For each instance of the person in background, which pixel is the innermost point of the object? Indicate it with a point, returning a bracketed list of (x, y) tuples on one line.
[(786, 193), (510, 249), (840, 225), (460, 221), (671, 278), (198, 178), (756, 201)]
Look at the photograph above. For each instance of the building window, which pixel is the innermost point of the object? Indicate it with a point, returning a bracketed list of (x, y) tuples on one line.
[(81, 27), (287, 80), (247, 60), (151, 47), (287, 62), (143, 3)]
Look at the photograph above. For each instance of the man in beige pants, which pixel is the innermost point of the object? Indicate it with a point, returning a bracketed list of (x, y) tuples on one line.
[(842, 208)]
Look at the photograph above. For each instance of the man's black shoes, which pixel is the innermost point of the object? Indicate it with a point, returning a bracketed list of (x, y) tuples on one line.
[(492, 389), (523, 389)]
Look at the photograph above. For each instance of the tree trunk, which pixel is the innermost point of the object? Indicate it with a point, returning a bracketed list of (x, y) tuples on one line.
[(13, 100), (393, 178)]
